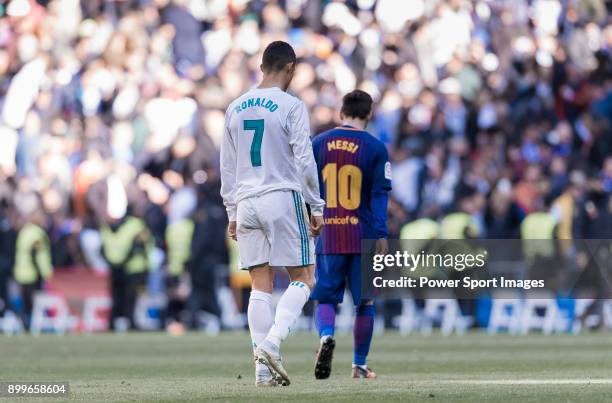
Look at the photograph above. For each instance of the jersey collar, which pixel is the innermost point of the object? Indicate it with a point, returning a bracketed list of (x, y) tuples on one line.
[(349, 127)]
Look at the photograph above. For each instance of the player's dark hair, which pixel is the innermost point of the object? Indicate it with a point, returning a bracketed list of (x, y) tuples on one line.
[(277, 55), (357, 104)]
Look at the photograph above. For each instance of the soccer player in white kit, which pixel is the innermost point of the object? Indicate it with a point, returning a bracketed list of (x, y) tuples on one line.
[(268, 173)]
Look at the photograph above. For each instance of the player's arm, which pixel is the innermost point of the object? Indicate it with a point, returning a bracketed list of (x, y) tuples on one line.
[(228, 176), (299, 139), (381, 185)]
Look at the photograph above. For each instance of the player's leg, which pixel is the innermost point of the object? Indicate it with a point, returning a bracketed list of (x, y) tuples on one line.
[(288, 309), (285, 217), (285, 221), (364, 322), (291, 303), (329, 292), (260, 316), (254, 250), (362, 338), (325, 319), (259, 312)]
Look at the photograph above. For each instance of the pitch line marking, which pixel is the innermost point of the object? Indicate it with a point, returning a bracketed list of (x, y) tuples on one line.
[(532, 382)]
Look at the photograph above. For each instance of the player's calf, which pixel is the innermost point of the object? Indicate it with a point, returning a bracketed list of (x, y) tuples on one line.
[(362, 335), (304, 274)]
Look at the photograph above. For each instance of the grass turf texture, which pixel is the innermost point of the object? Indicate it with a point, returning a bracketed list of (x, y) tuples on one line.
[(469, 368)]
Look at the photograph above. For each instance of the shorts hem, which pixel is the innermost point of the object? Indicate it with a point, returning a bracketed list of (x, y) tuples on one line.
[(326, 300), (248, 268), (293, 265)]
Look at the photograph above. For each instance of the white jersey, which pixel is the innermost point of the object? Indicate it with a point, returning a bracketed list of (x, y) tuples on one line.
[(266, 147)]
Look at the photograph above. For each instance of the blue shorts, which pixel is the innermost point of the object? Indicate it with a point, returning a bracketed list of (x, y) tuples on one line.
[(333, 272)]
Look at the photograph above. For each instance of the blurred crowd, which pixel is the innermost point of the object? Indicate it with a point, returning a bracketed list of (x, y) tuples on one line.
[(115, 108)]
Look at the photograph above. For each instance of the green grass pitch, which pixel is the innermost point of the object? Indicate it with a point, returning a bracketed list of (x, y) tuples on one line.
[(469, 368)]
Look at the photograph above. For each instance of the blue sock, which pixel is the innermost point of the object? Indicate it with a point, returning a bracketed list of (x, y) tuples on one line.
[(362, 333), (325, 319)]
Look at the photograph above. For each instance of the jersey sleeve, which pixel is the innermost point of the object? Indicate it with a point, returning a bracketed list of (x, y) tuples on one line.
[(381, 184), (381, 179), (298, 127), (228, 170)]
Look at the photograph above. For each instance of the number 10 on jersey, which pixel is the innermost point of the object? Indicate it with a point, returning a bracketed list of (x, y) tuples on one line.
[(257, 125), (342, 186)]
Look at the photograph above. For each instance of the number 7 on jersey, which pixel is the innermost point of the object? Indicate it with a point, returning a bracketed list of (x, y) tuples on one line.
[(257, 125)]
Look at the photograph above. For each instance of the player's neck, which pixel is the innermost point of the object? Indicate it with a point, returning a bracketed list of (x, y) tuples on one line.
[(356, 123), (271, 81)]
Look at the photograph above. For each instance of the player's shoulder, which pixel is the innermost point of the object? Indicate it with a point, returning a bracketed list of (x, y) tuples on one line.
[(287, 103), (242, 97), (371, 142), (234, 105), (325, 135), (288, 96), (374, 143), (291, 101)]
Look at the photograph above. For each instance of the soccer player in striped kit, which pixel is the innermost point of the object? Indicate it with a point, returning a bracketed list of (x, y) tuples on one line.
[(354, 178)]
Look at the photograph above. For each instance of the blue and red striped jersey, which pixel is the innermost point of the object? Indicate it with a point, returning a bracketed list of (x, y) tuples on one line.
[(354, 178)]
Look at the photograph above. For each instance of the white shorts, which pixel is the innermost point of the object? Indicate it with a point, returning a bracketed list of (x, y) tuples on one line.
[(273, 228)]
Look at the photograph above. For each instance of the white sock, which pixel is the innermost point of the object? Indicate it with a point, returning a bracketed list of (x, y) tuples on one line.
[(287, 311), (259, 314)]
